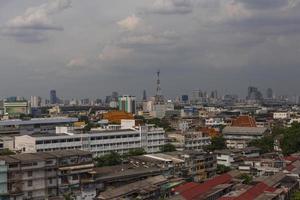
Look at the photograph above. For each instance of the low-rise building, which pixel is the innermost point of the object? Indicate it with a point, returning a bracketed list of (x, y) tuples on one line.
[(3, 181), (262, 166), (99, 142), (149, 188), (281, 115), (196, 140), (197, 165), (34, 125), (44, 175), (234, 157), (239, 137)]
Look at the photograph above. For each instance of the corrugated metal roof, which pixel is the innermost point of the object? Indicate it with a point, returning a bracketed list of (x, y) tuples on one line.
[(243, 130), (18, 122), (191, 191)]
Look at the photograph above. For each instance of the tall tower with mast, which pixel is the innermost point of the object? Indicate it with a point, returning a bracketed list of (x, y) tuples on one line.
[(159, 99)]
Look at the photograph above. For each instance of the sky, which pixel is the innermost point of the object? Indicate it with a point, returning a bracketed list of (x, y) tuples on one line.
[(91, 48)]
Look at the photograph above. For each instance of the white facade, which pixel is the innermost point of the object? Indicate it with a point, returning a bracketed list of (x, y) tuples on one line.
[(225, 159), (99, 143), (281, 115), (41, 125), (35, 101), (214, 122), (195, 141)]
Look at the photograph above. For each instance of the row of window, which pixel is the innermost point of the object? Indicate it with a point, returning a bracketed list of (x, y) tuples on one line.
[(114, 137), (92, 138)]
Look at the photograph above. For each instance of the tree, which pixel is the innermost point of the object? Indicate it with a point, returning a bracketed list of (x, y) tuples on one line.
[(221, 169), (246, 178), (265, 144), (296, 196), (6, 152), (168, 148), (217, 143), (141, 118), (290, 142), (163, 123), (136, 152), (111, 159)]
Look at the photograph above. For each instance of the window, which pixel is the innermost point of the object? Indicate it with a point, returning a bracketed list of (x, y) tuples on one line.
[(30, 194), (29, 173), (49, 162), (29, 183)]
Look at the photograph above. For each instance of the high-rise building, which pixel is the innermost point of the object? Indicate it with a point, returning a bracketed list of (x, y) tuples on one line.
[(254, 94), (214, 94), (35, 101), (269, 93), (144, 95), (114, 96), (53, 97), (127, 103), (184, 98), (159, 98)]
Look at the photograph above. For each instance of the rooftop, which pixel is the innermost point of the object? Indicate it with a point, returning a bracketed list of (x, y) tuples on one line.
[(244, 130), (42, 155), (17, 122)]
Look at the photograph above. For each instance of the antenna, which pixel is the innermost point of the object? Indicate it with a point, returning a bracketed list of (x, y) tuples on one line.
[(158, 89)]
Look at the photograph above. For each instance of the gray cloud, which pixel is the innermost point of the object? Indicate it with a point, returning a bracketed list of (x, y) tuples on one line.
[(208, 44), (31, 26), (170, 7), (264, 4)]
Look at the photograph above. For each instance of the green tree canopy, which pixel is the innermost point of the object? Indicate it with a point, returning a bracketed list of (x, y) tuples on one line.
[(111, 159), (6, 152), (265, 144), (217, 143), (136, 152), (246, 178), (221, 169), (168, 148)]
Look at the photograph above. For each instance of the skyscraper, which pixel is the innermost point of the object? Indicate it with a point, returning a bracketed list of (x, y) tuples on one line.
[(35, 101), (127, 104), (53, 98), (254, 94), (144, 95), (159, 98), (269, 93)]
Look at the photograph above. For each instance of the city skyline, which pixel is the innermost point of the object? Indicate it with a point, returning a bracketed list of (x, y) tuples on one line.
[(88, 49)]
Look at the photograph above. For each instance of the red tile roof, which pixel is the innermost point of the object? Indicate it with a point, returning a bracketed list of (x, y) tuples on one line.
[(185, 187), (252, 193), (290, 167), (244, 121), (290, 158), (195, 192)]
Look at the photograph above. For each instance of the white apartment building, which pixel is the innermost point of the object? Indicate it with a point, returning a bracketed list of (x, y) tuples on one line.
[(35, 101), (41, 125), (196, 140), (40, 176), (214, 122), (281, 115), (239, 137), (99, 142)]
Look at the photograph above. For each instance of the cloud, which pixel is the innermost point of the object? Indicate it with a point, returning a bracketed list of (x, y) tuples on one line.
[(35, 21), (263, 4), (77, 62), (130, 23), (165, 38), (114, 53), (169, 7)]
